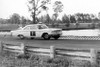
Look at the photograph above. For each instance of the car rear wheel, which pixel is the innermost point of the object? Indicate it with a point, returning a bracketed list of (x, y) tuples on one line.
[(21, 36), (32, 37), (46, 36), (56, 37)]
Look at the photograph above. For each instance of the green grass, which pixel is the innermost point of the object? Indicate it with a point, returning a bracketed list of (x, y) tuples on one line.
[(8, 59)]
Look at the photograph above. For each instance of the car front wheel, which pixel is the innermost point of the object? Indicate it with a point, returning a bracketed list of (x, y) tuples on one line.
[(21, 36)]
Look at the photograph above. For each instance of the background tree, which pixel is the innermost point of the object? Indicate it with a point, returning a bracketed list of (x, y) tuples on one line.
[(80, 17), (72, 19), (58, 8), (66, 20), (99, 15), (15, 19), (86, 18), (23, 20), (36, 7), (2, 21), (48, 19), (45, 19)]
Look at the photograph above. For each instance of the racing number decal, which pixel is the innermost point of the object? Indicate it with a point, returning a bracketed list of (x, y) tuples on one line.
[(32, 33)]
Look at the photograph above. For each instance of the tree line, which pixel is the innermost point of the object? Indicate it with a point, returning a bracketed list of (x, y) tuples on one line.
[(66, 19)]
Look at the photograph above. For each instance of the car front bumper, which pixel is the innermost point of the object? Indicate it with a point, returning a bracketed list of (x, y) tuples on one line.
[(56, 34)]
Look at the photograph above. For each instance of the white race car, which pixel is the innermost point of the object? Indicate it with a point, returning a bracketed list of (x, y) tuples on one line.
[(37, 30)]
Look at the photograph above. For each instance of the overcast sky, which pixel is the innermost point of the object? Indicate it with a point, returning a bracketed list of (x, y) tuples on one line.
[(8, 7)]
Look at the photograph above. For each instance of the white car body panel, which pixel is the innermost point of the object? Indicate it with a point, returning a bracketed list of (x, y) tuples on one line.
[(33, 32)]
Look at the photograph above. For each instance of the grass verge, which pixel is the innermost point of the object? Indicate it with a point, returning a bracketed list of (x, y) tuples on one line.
[(9, 59)]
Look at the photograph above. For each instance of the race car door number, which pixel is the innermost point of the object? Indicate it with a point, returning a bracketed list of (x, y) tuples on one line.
[(32, 33)]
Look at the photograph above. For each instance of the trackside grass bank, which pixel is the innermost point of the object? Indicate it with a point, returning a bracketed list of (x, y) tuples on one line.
[(8, 59)]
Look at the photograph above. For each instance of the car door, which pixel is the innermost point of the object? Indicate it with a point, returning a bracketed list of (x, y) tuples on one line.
[(40, 31), (33, 30), (26, 31)]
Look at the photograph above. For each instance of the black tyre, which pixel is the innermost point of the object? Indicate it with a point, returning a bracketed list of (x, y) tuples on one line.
[(56, 37), (21, 36), (46, 36), (32, 37)]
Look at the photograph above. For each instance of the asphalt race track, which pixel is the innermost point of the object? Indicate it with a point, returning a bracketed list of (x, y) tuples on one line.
[(57, 43)]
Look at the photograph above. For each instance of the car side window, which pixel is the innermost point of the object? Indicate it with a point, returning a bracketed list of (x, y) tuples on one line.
[(39, 27), (42, 26), (33, 27)]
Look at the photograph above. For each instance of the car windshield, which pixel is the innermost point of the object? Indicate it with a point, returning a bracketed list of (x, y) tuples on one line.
[(43, 27), (20, 28)]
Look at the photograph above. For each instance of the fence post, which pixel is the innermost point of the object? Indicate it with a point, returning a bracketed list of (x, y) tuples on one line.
[(93, 57), (1, 47), (22, 48), (52, 51)]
